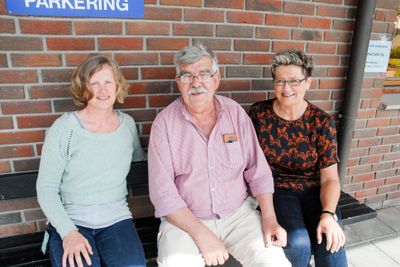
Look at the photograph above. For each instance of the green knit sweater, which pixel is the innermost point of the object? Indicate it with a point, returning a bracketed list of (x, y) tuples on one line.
[(84, 168)]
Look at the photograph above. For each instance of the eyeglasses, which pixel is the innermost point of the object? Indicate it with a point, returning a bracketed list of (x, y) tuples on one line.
[(202, 77), (291, 83)]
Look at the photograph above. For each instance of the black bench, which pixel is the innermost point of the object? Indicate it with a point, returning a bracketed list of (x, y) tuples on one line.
[(24, 250)]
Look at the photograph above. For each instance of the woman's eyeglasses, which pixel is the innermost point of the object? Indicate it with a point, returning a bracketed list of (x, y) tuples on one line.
[(291, 83)]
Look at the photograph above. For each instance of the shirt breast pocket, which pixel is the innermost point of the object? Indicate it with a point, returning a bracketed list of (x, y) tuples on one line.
[(233, 154)]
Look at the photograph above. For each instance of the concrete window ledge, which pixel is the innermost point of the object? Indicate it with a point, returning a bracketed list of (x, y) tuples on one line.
[(390, 101)]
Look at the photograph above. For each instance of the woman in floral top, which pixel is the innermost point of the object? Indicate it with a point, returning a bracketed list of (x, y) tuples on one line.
[(299, 143)]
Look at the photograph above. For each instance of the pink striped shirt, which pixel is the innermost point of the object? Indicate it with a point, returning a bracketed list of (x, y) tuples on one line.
[(209, 176)]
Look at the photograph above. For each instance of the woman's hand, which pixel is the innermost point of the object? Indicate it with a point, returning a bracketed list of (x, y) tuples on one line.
[(334, 235), (75, 246)]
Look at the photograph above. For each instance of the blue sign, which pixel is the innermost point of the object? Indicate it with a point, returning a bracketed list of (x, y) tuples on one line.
[(77, 8)]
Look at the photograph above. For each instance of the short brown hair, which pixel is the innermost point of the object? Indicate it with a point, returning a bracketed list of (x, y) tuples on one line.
[(80, 87), (292, 57)]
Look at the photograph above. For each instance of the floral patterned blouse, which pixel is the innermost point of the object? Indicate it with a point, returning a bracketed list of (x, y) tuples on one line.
[(295, 150)]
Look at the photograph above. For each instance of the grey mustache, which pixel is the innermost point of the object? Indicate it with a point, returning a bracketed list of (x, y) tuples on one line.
[(197, 90)]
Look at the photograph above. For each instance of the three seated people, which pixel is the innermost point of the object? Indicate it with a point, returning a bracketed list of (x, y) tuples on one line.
[(210, 166)]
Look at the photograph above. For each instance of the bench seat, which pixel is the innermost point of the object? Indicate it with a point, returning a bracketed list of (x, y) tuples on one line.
[(24, 250)]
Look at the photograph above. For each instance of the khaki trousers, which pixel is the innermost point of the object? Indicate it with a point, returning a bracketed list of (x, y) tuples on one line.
[(241, 232)]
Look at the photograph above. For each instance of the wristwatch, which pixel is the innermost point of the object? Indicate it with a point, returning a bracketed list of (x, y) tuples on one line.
[(330, 213)]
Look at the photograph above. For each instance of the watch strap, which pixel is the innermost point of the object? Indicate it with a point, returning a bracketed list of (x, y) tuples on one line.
[(330, 213)]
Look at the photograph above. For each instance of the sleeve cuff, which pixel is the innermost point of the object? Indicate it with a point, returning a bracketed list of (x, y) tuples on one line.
[(164, 207)]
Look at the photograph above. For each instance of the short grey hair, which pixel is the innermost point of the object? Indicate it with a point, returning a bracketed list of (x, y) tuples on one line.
[(192, 54), (292, 57)]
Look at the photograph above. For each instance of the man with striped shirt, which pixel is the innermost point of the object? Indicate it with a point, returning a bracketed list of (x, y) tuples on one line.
[(207, 175)]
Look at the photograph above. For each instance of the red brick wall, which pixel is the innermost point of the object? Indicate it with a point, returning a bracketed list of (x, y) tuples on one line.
[(37, 56), (373, 173)]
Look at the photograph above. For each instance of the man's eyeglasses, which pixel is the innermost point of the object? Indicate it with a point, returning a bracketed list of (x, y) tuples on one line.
[(291, 83), (202, 77)]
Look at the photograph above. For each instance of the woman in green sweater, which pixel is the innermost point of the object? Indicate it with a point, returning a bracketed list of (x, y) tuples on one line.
[(81, 185)]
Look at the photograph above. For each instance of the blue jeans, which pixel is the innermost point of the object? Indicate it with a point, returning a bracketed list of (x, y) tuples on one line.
[(117, 245), (298, 213)]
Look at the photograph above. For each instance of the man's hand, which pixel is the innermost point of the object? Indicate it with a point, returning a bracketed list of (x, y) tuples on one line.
[(274, 234), (335, 237), (211, 247), (75, 245)]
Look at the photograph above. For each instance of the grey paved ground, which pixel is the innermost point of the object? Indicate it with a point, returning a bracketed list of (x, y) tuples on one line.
[(375, 242)]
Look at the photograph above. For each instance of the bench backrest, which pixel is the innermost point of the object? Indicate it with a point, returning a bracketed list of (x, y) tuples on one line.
[(22, 185)]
